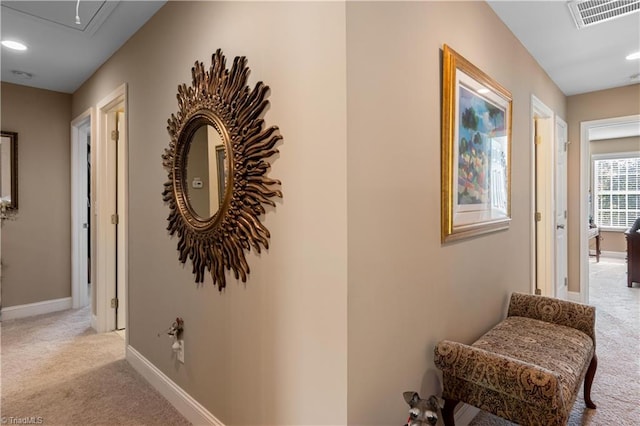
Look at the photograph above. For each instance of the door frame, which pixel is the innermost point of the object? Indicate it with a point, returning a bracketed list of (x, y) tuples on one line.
[(585, 177), (543, 252), (79, 293), (106, 245)]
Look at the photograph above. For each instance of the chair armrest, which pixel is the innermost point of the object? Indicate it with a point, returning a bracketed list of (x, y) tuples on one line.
[(499, 373), (556, 311)]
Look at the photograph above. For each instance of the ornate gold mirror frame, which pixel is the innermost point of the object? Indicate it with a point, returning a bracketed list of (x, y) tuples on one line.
[(222, 99)]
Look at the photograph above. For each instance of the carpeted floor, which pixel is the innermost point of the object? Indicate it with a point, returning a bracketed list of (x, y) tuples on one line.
[(57, 371), (616, 387), (55, 368)]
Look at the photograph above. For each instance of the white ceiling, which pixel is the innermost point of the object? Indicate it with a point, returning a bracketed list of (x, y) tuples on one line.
[(62, 55), (577, 60)]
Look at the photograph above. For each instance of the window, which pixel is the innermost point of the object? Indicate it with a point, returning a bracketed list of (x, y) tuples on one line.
[(616, 181)]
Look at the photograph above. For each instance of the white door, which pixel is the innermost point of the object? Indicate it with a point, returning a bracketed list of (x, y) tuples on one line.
[(543, 203), (84, 209), (120, 227), (80, 210), (561, 282), (111, 208)]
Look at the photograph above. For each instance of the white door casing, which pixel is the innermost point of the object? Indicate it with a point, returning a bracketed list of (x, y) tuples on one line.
[(585, 177), (561, 257)]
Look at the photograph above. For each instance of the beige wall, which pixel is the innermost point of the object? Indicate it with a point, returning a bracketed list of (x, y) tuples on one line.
[(406, 289), (356, 275), (36, 248), (618, 102), (273, 350), (280, 341), (612, 241)]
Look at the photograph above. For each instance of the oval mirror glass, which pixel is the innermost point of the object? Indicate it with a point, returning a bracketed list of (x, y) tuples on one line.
[(205, 172)]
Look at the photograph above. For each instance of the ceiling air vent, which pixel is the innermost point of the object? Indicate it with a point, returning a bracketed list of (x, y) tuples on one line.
[(590, 12)]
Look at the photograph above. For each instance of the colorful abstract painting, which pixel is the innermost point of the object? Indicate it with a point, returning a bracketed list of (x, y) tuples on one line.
[(479, 123)]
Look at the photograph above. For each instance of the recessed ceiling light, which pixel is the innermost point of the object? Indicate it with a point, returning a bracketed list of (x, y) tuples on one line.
[(15, 45), (633, 56)]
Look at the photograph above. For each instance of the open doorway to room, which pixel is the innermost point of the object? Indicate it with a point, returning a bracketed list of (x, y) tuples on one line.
[(542, 137), (82, 261), (111, 213), (609, 193), (549, 201)]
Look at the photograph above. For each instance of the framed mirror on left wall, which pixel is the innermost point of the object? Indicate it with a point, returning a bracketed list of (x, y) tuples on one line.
[(9, 169)]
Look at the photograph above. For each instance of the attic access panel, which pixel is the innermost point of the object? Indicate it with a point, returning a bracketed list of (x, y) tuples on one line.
[(63, 13)]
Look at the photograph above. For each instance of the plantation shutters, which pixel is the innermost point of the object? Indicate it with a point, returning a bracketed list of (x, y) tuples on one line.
[(616, 191)]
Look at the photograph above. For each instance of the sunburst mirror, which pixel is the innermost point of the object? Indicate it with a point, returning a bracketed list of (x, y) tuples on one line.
[(217, 164)]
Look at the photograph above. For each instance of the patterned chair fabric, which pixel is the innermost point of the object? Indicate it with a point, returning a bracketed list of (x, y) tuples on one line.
[(528, 368)]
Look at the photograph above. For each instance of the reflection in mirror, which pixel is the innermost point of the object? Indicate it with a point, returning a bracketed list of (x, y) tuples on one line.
[(9, 169), (205, 184), (5, 168)]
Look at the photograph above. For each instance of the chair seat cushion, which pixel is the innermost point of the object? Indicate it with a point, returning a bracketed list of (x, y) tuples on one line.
[(561, 349)]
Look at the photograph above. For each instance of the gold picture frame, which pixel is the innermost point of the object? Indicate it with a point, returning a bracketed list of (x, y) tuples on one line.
[(476, 150)]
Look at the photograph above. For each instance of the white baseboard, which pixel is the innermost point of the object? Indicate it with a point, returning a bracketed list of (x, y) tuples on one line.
[(191, 409), (38, 308), (614, 254), (574, 296), (465, 414)]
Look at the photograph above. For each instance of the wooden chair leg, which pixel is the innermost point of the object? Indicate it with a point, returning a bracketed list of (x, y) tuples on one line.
[(447, 412), (588, 380)]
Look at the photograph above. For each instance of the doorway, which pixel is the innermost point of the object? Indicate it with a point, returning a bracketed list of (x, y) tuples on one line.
[(543, 254), (82, 265), (111, 213), (549, 202), (616, 127)]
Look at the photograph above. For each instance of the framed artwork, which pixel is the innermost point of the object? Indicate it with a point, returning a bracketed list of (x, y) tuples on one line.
[(476, 150), (8, 171)]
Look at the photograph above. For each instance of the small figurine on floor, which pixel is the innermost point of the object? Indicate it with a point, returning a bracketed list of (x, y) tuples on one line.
[(422, 411)]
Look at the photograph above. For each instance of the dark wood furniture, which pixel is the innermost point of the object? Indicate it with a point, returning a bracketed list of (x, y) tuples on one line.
[(633, 256), (595, 233)]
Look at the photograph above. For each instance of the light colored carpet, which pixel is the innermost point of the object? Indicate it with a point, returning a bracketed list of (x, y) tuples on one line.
[(616, 387), (57, 369)]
